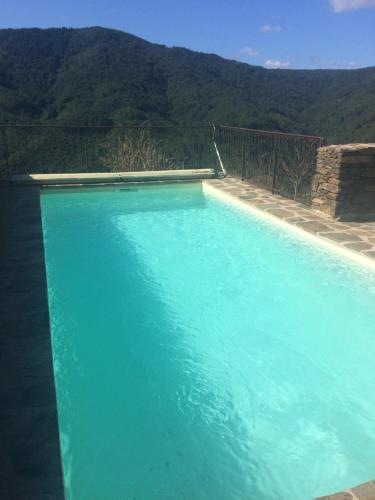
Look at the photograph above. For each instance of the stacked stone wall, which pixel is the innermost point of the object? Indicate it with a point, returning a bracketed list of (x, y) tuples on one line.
[(344, 182)]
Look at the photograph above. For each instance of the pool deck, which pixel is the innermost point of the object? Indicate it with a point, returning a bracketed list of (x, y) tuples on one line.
[(364, 491), (355, 238), (30, 464)]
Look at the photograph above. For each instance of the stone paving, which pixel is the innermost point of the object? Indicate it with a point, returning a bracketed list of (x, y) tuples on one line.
[(356, 237), (364, 491)]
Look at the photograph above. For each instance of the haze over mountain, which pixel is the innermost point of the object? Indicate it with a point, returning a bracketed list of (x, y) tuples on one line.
[(103, 76)]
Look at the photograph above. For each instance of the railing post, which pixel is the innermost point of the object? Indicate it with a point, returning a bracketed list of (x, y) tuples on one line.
[(86, 157), (223, 171), (274, 170), (243, 157), (6, 154), (213, 139)]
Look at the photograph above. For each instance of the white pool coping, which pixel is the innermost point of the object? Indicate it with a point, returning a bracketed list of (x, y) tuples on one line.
[(93, 178), (314, 238)]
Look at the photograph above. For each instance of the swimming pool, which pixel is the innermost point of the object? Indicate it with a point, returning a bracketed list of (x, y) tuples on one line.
[(201, 351)]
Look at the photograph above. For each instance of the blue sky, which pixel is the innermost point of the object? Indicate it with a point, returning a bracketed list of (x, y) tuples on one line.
[(271, 33)]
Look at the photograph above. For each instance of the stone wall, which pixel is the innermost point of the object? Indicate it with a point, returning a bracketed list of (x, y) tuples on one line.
[(344, 182)]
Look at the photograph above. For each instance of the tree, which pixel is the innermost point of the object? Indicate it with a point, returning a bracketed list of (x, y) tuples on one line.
[(134, 150)]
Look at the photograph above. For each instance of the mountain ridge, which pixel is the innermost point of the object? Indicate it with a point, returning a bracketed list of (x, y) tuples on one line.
[(103, 76)]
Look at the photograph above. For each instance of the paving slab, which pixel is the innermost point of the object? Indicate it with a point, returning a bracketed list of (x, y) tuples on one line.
[(342, 237), (313, 226), (359, 246), (279, 212), (365, 491)]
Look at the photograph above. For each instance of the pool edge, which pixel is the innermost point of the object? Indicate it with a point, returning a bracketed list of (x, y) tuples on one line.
[(233, 199)]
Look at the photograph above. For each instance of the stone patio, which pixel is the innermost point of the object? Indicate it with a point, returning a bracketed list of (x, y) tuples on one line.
[(357, 237)]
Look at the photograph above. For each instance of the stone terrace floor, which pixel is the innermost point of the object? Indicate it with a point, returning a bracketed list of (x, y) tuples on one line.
[(364, 491), (355, 236)]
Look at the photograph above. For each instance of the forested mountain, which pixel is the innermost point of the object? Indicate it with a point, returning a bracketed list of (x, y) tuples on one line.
[(103, 76)]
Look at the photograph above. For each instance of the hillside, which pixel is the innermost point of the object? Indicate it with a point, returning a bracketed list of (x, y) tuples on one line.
[(103, 76)]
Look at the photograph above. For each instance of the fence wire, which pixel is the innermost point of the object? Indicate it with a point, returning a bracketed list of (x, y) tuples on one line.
[(59, 149), (282, 163)]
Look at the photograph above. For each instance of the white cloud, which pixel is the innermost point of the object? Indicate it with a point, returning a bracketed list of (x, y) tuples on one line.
[(248, 51), (266, 28), (345, 5), (276, 64)]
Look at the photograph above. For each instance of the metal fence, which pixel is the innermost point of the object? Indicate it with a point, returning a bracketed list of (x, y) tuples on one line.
[(282, 163), (27, 149)]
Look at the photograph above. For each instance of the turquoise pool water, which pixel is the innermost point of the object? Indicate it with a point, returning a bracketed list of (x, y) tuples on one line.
[(201, 352)]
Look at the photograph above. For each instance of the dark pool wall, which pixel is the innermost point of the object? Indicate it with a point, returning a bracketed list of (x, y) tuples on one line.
[(30, 465)]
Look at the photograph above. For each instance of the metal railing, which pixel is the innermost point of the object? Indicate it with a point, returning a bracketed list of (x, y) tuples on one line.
[(27, 149), (283, 163), (280, 162)]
